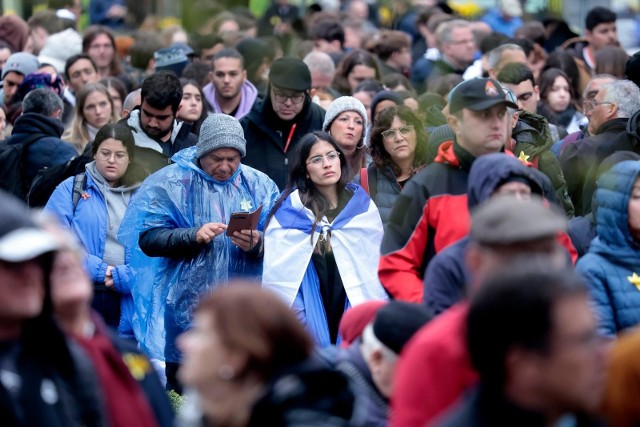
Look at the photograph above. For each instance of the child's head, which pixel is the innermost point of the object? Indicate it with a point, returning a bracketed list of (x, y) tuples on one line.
[(555, 90)]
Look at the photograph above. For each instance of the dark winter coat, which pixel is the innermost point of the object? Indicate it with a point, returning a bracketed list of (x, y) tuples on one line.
[(267, 137), (387, 190), (310, 395), (485, 409), (578, 157), (355, 368), (447, 276), (48, 150)]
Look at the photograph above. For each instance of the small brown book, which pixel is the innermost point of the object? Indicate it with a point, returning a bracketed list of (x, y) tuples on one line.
[(244, 221)]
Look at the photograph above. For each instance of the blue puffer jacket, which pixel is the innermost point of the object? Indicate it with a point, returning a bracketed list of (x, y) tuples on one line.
[(613, 260), (89, 223)]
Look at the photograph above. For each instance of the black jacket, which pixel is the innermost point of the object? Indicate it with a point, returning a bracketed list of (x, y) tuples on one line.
[(267, 136), (578, 158), (308, 395), (48, 150), (56, 382), (486, 409), (622, 141)]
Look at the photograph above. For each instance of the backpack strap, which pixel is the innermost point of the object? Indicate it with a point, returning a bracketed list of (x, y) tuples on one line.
[(373, 180), (79, 185), (364, 179)]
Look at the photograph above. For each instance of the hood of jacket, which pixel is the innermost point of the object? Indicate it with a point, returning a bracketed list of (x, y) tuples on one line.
[(187, 159), (612, 215), (33, 123), (492, 170), (248, 91), (532, 129), (264, 115), (144, 140)]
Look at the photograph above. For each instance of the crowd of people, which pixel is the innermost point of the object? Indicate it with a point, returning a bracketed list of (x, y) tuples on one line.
[(318, 217)]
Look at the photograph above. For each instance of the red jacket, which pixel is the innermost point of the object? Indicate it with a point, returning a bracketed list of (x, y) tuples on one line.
[(433, 371), (430, 214)]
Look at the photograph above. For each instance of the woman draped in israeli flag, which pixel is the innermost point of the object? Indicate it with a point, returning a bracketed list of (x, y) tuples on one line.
[(322, 242)]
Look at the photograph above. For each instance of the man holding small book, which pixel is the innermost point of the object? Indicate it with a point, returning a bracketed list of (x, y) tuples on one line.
[(176, 231)]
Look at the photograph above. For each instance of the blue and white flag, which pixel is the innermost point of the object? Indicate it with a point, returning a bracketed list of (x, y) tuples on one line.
[(356, 234)]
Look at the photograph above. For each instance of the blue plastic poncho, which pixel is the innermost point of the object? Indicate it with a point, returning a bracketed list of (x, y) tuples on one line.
[(166, 290)]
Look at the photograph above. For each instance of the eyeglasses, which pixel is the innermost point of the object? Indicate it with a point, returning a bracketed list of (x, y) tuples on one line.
[(281, 98), (119, 156), (331, 156), (392, 134), (461, 42), (593, 103)]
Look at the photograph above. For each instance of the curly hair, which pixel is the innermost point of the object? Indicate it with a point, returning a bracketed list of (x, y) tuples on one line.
[(381, 158)]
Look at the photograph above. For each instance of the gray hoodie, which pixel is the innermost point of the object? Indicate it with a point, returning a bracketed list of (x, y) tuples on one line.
[(116, 199)]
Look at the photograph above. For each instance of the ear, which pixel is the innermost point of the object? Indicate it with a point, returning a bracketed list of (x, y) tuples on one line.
[(613, 112), (472, 257), (375, 360), (521, 366), (244, 76), (536, 92), (588, 35), (454, 123), (514, 119), (237, 361)]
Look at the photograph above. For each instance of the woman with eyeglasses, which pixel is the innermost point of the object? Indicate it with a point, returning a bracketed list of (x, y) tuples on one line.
[(92, 206), (322, 240), (399, 151), (346, 121)]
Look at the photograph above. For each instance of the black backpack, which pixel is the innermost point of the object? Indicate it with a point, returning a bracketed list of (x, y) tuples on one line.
[(12, 159), (48, 179)]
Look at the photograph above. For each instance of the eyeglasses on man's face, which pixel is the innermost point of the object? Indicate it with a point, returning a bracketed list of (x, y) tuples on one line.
[(282, 97), (593, 103)]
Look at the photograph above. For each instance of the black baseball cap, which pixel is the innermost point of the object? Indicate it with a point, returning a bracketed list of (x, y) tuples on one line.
[(477, 95)]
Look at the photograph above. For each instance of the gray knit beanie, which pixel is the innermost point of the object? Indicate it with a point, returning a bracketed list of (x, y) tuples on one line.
[(220, 131), (339, 106)]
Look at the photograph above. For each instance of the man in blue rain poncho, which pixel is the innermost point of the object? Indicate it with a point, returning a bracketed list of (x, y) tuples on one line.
[(175, 229)]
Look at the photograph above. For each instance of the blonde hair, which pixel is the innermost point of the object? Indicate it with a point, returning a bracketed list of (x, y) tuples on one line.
[(77, 133)]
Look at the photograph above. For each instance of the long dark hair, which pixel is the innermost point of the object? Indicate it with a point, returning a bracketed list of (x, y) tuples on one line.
[(90, 35), (310, 195), (195, 127), (346, 66), (382, 159)]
